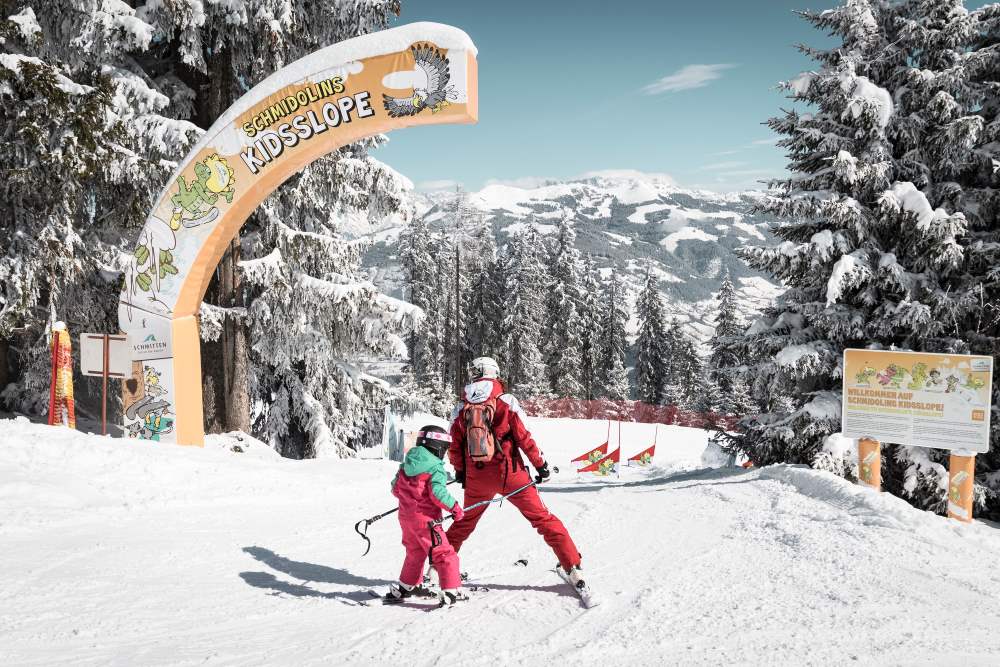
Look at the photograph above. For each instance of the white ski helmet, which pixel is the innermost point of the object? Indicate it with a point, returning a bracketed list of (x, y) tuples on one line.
[(483, 367)]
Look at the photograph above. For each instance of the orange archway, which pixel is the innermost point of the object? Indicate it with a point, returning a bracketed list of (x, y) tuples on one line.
[(419, 74)]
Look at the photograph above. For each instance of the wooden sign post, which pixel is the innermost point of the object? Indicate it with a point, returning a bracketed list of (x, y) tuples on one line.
[(870, 463), (105, 356), (961, 474)]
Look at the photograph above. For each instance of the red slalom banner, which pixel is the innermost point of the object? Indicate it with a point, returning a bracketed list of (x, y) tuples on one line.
[(594, 455), (644, 457), (606, 466)]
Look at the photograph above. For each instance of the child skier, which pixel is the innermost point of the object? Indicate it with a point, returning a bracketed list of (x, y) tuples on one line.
[(421, 489)]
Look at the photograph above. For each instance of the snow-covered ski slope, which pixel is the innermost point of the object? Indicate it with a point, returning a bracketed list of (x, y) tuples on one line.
[(115, 552)]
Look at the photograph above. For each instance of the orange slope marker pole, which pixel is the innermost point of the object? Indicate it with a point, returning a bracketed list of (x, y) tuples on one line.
[(870, 463), (961, 476)]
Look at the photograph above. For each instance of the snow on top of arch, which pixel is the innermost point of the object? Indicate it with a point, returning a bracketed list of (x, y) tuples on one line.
[(340, 59)]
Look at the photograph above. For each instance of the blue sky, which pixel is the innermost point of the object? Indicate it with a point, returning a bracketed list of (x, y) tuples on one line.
[(674, 87), (565, 88)]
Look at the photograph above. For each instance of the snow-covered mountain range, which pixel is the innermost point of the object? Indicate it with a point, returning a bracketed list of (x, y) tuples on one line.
[(629, 222)]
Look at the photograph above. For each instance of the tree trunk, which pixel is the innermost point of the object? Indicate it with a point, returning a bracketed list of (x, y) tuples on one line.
[(224, 362), (4, 364), (234, 345)]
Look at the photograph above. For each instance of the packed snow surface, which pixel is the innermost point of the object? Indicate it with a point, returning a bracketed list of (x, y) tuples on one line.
[(118, 552)]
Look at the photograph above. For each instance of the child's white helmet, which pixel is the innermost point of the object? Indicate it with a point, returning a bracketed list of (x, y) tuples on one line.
[(483, 367)]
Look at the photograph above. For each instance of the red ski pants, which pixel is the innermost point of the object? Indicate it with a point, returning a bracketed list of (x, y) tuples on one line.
[(486, 483), (417, 540)]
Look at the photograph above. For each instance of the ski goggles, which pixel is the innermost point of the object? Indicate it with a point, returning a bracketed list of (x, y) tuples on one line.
[(434, 435)]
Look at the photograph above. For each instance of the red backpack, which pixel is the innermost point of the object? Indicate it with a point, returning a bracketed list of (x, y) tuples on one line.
[(480, 444)]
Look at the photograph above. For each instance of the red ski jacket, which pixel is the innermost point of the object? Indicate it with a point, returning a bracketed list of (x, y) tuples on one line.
[(508, 428)]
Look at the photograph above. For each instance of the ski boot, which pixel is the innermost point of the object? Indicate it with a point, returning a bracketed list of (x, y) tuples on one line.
[(401, 593), (450, 597), (574, 577)]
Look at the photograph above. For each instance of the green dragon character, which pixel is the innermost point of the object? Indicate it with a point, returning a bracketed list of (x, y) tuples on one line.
[(974, 383), (213, 177), (865, 375), (606, 468), (919, 373)]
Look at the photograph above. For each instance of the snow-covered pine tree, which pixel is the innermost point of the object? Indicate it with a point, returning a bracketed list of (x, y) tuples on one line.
[(709, 402), (590, 309), (156, 69), (982, 249), (650, 343), (873, 254), (485, 300), (524, 315), (683, 368), (419, 270), (738, 402), (86, 144), (727, 325), (612, 375), (444, 309), (562, 327)]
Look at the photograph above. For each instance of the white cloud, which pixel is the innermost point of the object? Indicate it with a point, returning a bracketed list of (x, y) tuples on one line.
[(687, 78), (440, 184), (766, 142)]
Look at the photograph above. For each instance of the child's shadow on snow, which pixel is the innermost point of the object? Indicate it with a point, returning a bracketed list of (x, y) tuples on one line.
[(306, 572)]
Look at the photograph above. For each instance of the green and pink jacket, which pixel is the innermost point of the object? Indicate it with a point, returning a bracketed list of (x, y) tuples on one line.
[(420, 485)]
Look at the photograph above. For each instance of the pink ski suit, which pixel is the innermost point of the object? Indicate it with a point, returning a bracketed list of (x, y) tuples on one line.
[(420, 487)]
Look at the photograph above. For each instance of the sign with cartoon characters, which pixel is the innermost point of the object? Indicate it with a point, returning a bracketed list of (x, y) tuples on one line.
[(420, 74), (918, 398)]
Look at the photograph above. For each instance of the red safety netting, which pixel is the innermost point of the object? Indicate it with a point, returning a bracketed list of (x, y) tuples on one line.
[(632, 411)]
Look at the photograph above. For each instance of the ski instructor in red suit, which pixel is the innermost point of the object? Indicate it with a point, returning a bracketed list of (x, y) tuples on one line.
[(506, 471)]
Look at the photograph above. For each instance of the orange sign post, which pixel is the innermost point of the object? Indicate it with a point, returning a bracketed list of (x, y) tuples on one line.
[(870, 463), (961, 475), (924, 399)]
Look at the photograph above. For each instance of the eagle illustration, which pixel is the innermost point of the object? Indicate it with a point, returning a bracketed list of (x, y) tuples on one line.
[(434, 96)]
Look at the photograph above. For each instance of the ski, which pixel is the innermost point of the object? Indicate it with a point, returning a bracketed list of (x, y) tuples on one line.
[(582, 589), (423, 600)]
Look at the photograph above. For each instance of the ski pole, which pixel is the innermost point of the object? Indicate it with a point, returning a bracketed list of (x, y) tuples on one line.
[(438, 522), (363, 532)]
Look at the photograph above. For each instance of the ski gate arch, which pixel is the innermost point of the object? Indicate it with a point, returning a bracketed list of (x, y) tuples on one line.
[(418, 74)]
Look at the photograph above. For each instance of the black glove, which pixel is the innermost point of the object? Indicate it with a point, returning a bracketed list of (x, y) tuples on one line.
[(460, 477), (543, 473)]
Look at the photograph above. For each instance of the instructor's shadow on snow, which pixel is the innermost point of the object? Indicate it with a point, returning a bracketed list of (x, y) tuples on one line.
[(305, 572)]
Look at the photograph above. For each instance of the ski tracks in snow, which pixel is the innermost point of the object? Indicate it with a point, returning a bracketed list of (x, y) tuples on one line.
[(155, 555)]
